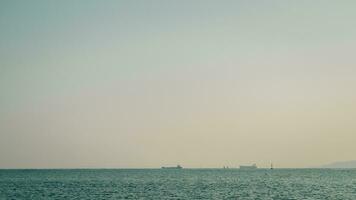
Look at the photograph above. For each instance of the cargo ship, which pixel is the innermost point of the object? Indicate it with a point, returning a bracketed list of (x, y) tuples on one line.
[(254, 166), (176, 167)]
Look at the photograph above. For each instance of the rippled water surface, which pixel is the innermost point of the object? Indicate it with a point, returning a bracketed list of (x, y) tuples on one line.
[(178, 184)]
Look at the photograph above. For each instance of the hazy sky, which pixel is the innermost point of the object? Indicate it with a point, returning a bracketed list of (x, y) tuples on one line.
[(197, 83)]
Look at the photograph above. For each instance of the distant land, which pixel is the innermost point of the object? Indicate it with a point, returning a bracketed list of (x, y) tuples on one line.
[(342, 164)]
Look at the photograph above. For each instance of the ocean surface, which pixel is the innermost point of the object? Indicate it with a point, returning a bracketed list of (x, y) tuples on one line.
[(178, 184)]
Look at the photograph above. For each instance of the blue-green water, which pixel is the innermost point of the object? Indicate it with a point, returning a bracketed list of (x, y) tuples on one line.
[(178, 184)]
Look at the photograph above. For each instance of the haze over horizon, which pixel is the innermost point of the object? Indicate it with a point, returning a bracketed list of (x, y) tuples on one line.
[(131, 84)]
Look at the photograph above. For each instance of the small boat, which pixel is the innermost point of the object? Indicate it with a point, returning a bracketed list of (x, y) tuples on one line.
[(249, 167), (177, 167)]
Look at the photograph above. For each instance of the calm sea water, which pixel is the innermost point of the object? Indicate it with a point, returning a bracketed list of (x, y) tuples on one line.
[(178, 184)]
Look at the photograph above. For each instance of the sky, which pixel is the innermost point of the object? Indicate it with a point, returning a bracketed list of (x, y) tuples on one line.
[(145, 84)]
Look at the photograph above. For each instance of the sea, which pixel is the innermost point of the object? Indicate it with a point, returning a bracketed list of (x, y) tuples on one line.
[(155, 184)]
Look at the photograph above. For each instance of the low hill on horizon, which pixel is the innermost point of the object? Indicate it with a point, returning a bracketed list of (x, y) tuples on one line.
[(341, 164)]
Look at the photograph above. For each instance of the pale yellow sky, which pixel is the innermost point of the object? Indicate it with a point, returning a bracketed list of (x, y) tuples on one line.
[(203, 84)]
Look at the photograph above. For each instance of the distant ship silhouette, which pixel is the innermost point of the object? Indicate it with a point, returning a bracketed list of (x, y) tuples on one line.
[(177, 167), (254, 166)]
